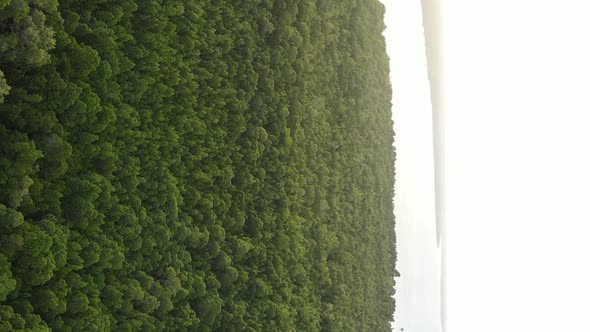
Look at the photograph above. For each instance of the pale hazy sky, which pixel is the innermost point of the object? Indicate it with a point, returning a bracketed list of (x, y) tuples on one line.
[(517, 136), (418, 291), (518, 171)]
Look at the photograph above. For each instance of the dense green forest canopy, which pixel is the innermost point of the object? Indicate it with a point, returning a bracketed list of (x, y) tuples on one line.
[(195, 166)]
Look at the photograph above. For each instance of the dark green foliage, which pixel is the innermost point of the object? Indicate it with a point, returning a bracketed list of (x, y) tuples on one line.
[(195, 166)]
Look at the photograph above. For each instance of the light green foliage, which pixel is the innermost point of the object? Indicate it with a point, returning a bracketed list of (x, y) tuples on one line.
[(7, 283), (29, 39), (36, 262), (4, 87)]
